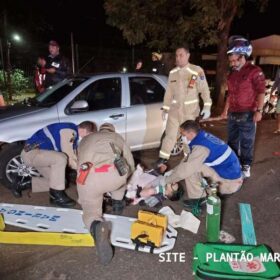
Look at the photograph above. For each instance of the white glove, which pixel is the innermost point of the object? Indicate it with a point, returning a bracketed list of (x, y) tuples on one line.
[(164, 115), (205, 113)]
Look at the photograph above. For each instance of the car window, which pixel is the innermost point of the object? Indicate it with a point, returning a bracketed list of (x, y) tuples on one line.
[(102, 94), (145, 90), (54, 94)]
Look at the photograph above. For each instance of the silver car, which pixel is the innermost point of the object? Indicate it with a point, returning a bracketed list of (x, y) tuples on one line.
[(131, 102)]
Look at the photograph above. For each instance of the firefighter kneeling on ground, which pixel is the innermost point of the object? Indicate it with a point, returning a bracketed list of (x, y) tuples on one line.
[(50, 150), (209, 157), (105, 163)]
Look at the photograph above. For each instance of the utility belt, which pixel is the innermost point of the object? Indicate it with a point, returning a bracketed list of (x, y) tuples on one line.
[(88, 167), (29, 147), (119, 163)]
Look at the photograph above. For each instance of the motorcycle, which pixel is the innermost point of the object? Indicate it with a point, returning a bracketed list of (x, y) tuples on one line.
[(270, 101)]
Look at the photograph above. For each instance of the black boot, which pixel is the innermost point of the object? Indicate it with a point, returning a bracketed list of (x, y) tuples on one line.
[(19, 186), (118, 206), (101, 235), (61, 199)]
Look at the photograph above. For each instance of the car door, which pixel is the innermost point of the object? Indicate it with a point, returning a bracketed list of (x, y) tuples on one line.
[(144, 122), (104, 96)]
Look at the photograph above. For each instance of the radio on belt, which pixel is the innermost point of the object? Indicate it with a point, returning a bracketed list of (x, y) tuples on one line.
[(119, 162), (83, 172)]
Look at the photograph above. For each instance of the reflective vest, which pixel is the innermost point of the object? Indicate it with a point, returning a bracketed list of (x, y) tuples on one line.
[(221, 158), (49, 138)]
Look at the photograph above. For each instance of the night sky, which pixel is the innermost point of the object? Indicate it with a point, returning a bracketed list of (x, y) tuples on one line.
[(40, 21)]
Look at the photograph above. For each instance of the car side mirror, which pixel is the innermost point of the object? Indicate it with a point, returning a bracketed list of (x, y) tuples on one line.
[(79, 106)]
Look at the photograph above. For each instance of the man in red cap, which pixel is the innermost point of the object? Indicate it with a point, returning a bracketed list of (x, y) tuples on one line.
[(57, 67)]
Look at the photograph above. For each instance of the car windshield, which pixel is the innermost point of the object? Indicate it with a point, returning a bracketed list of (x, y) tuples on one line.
[(54, 94)]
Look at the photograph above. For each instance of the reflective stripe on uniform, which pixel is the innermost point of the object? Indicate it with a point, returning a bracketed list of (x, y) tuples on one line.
[(192, 71), (191, 102), (49, 135), (174, 101), (220, 159), (174, 70), (165, 107), (207, 104), (164, 155)]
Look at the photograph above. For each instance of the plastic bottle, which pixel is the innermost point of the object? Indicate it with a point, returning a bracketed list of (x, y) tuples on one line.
[(213, 217)]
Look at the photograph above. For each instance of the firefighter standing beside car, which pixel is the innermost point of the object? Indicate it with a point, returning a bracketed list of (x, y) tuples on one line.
[(181, 100), (105, 162)]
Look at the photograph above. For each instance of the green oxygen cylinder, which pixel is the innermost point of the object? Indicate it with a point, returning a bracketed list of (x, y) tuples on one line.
[(213, 217)]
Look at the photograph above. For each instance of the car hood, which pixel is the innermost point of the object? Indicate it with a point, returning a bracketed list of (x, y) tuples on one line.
[(10, 112)]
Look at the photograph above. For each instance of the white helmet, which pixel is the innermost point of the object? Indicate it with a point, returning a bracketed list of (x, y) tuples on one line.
[(239, 45)]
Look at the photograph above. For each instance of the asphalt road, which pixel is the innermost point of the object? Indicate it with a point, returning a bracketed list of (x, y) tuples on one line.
[(262, 191)]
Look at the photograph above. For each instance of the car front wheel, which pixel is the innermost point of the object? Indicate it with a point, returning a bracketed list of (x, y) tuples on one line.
[(12, 166), (178, 147)]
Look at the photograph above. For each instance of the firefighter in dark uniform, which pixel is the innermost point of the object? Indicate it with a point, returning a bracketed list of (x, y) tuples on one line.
[(57, 67), (158, 67)]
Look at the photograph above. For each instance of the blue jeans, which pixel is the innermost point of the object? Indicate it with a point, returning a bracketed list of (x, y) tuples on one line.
[(241, 135)]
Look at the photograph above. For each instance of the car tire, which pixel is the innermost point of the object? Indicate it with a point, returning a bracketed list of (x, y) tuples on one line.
[(12, 166), (178, 148)]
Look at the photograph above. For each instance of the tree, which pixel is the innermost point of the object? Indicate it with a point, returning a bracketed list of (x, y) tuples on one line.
[(19, 82), (164, 24)]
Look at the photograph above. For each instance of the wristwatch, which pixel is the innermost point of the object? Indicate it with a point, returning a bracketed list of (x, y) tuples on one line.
[(260, 110)]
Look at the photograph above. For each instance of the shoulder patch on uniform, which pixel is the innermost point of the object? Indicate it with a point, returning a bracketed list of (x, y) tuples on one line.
[(74, 135), (201, 76)]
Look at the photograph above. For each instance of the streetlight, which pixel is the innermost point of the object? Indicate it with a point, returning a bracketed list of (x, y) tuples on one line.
[(16, 38)]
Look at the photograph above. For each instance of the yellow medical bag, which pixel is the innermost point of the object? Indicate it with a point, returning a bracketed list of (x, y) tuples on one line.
[(153, 218), (148, 229), (147, 234)]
